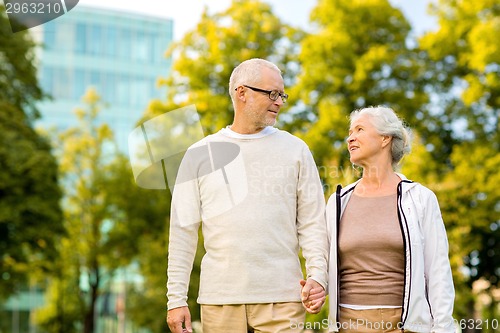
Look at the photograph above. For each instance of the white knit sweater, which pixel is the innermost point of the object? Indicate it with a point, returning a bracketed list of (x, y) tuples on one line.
[(259, 200)]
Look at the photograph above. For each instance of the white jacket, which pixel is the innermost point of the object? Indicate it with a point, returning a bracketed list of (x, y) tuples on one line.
[(428, 297)]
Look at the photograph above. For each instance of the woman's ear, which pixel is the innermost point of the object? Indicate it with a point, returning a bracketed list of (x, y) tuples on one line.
[(386, 139)]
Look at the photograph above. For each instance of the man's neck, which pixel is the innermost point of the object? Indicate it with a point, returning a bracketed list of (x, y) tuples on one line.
[(245, 129)]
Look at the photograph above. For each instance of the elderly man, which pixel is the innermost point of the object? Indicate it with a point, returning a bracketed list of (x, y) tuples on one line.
[(256, 192)]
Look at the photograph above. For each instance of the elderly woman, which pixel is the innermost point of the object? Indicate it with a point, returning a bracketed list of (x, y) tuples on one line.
[(389, 269)]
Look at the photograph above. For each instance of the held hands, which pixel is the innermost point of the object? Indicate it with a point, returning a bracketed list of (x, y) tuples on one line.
[(177, 317), (313, 295)]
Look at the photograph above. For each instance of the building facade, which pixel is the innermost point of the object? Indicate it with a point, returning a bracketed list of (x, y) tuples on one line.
[(120, 54)]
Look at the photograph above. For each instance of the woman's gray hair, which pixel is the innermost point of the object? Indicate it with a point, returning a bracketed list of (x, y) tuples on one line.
[(249, 72), (386, 122)]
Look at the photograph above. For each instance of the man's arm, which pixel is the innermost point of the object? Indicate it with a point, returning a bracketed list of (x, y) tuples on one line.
[(183, 236), (311, 224)]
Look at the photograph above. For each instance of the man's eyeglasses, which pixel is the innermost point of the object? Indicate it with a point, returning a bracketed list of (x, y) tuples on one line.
[(273, 94)]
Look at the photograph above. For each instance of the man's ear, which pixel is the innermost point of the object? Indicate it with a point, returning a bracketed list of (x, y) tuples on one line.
[(240, 93)]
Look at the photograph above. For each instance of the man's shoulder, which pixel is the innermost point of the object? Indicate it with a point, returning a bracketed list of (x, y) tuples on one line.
[(207, 139), (284, 135)]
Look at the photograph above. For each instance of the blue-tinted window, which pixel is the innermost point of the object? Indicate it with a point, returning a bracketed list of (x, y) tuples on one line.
[(81, 38), (123, 90), (49, 35), (124, 37), (140, 49), (47, 79), (61, 87), (96, 81), (95, 40), (110, 41), (79, 83), (108, 92)]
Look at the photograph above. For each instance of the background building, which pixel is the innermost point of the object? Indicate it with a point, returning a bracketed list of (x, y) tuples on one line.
[(121, 54)]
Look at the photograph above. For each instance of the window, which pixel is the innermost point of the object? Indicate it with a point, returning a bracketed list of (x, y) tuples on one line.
[(81, 38)]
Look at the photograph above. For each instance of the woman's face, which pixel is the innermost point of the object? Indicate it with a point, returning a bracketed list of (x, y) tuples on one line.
[(364, 143)]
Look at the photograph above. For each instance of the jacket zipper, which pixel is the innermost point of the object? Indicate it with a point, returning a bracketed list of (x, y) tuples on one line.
[(403, 223)]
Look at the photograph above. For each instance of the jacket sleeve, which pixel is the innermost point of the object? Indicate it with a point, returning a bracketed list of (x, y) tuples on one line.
[(331, 222), (439, 281)]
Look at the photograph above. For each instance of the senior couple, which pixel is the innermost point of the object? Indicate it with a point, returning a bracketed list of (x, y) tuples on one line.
[(380, 251)]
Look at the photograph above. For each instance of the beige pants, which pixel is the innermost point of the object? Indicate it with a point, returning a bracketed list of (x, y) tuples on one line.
[(370, 321), (257, 318)]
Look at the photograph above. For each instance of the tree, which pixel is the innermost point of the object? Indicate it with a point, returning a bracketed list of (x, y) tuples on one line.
[(207, 55), (465, 67), (85, 154), (466, 61), (140, 236), (30, 215), (357, 57)]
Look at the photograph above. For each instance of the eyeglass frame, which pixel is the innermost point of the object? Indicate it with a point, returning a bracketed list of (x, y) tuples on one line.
[(283, 96)]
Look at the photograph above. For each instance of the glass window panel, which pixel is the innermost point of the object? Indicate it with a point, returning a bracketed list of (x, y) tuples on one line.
[(95, 40), (124, 43), (81, 38), (79, 84), (123, 90), (49, 35), (47, 79)]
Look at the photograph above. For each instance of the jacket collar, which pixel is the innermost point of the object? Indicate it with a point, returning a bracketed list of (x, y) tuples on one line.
[(406, 185)]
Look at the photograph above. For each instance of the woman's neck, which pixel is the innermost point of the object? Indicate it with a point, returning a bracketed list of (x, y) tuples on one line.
[(377, 182)]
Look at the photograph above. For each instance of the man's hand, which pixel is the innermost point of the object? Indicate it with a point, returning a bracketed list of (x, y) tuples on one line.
[(313, 295), (177, 317)]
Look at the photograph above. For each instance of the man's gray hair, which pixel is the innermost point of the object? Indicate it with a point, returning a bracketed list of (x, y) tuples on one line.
[(249, 72)]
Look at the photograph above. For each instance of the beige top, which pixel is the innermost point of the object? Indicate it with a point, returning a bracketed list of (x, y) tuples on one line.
[(371, 252)]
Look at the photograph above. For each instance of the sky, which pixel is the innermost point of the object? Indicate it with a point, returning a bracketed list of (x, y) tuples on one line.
[(186, 13)]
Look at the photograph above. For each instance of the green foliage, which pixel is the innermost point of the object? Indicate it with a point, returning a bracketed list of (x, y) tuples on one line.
[(446, 86), (469, 196), (18, 82), (464, 66), (140, 236), (30, 216), (357, 57), (85, 153), (207, 55), (465, 55)]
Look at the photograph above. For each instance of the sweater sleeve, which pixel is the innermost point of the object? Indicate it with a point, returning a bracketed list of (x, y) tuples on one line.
[(185, 220), (311, 224), (439, 279)]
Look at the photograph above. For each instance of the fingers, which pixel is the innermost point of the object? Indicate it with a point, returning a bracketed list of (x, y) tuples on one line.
[(178, 317), (306, 289), (313, 296), (187, 324)]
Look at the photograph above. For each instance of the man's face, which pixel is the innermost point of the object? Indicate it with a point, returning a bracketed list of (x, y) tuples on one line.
[(259, 109)]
